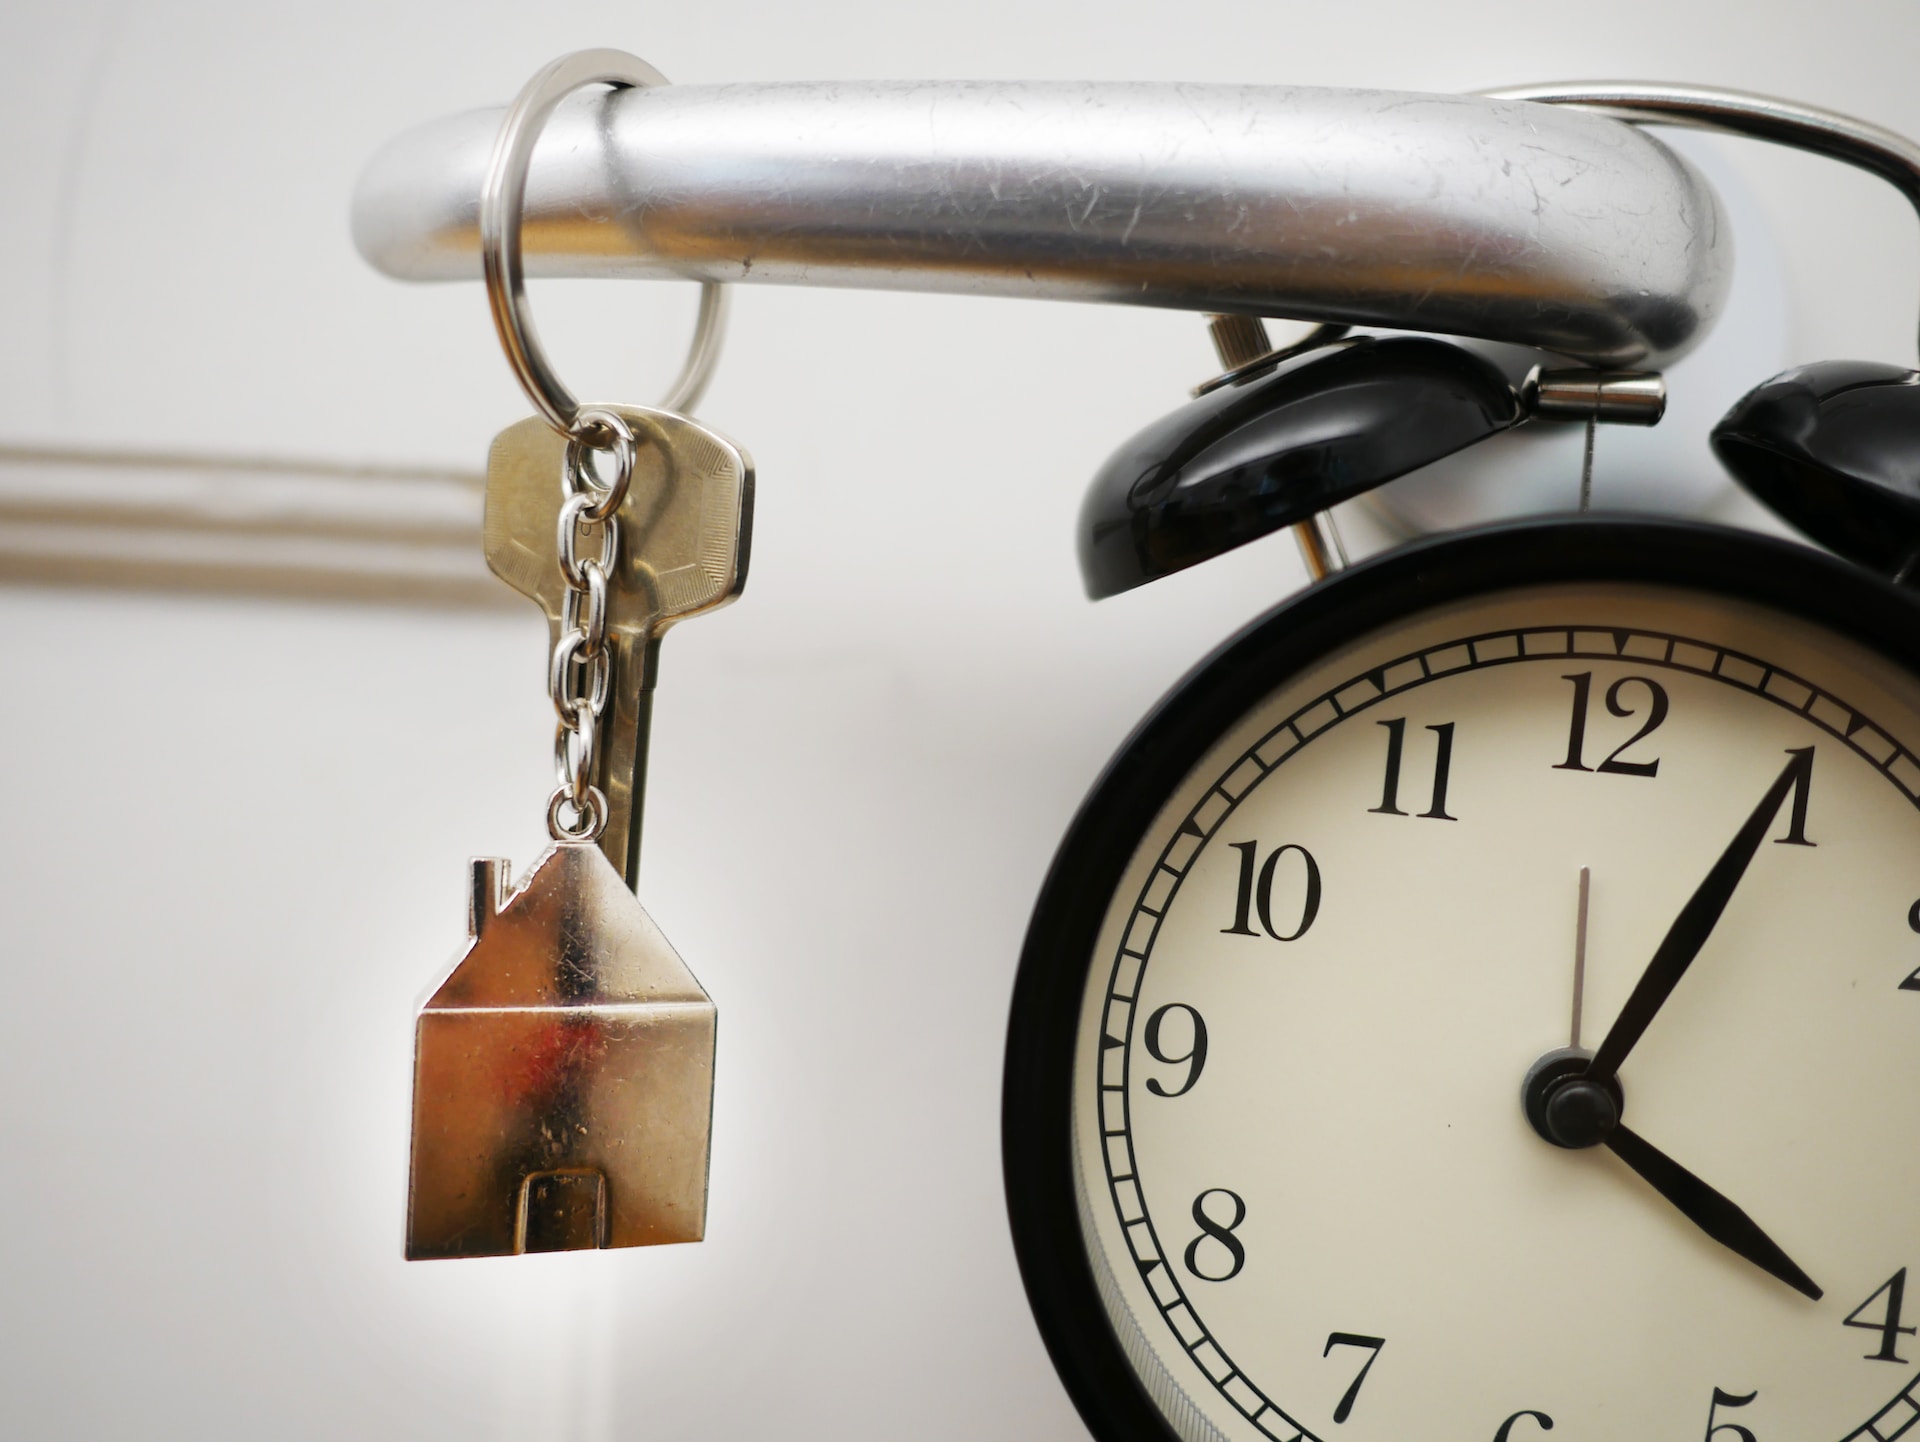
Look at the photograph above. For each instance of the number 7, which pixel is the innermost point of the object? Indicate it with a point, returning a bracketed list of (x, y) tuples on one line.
[(1352, 1339)]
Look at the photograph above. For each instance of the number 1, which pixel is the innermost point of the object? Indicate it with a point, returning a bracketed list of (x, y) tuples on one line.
[(1802, 783)]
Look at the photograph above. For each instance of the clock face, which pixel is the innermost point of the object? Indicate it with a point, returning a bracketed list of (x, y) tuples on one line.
[(1306, 1189)]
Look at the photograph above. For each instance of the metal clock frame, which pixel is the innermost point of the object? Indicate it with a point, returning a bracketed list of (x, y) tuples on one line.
[(1037, 1095)]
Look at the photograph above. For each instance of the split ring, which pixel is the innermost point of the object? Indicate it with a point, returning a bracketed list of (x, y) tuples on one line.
[(502, 197), (578, 472), (588, 820)]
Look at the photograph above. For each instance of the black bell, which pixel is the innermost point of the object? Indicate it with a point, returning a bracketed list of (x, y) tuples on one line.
[(1834, 450), (1272, 450)]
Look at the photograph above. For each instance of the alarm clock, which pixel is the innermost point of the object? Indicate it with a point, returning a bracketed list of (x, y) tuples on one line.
[(1483, 998)]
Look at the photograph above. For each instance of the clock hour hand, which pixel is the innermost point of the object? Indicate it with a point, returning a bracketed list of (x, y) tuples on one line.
[(1693, 925), (1707, 1209)]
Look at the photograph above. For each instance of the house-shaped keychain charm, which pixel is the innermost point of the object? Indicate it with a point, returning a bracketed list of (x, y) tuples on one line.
[(563, 1074)]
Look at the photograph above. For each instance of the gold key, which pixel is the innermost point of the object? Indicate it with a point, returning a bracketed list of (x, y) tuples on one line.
[(563, 1071), (684, 531)]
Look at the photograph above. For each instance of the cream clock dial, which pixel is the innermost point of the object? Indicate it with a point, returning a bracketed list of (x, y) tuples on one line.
[(1491, 1007)]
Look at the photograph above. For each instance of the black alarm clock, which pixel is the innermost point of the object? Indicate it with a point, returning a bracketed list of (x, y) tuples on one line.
[(1483, 998)]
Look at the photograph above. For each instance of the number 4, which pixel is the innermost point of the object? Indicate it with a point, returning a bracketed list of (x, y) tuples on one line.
[(1894, 1289)]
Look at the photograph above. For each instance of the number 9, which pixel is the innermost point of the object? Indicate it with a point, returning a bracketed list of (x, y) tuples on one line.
[(1195, 1055)]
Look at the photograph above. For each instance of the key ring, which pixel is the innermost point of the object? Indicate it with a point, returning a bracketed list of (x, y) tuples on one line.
[(502, 197)]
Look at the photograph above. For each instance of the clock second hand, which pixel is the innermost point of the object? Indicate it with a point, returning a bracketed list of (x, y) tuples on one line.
[(1580, 958)]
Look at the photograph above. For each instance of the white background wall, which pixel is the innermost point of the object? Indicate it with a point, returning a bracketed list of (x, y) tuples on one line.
[(234, 832)]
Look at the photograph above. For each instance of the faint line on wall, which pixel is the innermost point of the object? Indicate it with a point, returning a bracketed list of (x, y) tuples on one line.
[(180, 522)]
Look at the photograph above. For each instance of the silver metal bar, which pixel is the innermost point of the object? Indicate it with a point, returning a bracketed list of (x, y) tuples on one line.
[(1454, 214), (1885, 153)]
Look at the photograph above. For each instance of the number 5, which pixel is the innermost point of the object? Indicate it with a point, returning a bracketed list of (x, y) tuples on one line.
[(1727, 1399)]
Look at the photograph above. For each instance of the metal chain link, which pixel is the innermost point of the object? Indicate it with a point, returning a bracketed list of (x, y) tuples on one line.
[(580, 675)]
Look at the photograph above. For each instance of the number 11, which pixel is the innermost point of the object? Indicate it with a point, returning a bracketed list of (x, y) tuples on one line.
[(1442, 764)]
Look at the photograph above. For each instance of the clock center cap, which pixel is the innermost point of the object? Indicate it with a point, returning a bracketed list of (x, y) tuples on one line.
[(1563, 1106), (1580, 1113)]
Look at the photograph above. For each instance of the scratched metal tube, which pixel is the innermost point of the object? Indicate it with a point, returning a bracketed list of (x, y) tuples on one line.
[(1539, 225)]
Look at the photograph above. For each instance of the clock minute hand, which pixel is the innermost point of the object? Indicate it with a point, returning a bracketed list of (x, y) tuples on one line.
[(1707, 1209), (1693, 925)]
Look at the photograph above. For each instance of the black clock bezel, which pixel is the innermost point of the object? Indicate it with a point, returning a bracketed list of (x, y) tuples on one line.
[(1036, 1136)]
